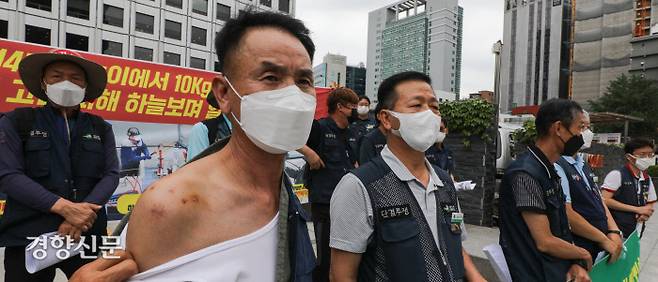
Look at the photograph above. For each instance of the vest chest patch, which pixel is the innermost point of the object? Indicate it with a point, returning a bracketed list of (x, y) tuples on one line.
[(39, 133), (393, 212), (576, 177), (90, 136), (330, 136)]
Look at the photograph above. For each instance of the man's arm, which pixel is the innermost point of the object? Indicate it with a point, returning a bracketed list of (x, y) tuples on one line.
[(617, 205), (581, 227), (310, 149), (106, 186), (198, 140), (547, 243), (344, 266), (471, 272)]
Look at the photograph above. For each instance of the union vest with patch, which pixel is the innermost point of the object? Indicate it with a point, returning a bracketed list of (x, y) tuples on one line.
[(586, 201), (69, 173), (403, 247), (629, 195)]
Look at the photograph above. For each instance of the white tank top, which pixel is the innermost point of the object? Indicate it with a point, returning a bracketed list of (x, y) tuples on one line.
[(248, 258)]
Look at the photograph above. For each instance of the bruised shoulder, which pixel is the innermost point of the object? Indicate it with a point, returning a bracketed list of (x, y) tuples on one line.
[(161, 216)]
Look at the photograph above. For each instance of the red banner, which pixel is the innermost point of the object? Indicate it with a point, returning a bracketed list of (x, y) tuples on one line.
[(136, 91)]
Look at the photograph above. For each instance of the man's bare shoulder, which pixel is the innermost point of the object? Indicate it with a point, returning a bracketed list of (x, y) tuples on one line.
[(165, 213)]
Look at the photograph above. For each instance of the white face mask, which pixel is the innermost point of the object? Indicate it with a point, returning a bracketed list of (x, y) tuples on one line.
[(644, 163), (362, 110), (277, 121), (65, 93), (588, 136), (442, 136), (418, 130)]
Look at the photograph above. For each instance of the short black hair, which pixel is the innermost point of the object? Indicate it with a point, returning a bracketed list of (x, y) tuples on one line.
[(386, 96), (364, 97), (554, 110), (229, 37), (637, 143)]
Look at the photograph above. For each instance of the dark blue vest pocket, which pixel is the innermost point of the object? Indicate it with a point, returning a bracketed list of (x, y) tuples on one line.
[(91, 160), (401, 245), (37, 158), (553, 207)]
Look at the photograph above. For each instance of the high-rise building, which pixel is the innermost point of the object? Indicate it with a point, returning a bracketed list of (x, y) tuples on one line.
[(644, 46), (177, 32), (536, 56), (602, 44), (418, 35), (355, 79), (331, 72)]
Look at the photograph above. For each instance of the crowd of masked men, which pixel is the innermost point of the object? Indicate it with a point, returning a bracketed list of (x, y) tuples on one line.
[(383, 201)]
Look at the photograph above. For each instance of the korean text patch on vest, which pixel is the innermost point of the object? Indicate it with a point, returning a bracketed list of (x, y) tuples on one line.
[(551, 192), (39, 133), (91, 137), (393, 212)]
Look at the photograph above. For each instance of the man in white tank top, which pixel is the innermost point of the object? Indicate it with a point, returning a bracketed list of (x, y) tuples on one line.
[(215, 219)]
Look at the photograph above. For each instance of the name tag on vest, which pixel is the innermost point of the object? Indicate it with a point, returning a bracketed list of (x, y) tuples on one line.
[(393, 212), (39, 133)]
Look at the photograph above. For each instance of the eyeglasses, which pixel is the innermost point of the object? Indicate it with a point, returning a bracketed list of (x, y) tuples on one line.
[(645, 155)]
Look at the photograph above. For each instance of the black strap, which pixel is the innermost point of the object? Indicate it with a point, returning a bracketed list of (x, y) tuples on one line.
[(213, 128)]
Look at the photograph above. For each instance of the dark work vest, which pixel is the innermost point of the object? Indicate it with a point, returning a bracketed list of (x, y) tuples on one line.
[(403, 247), (70, 174), (525, 261), (217, 128), (335, 153), (587, 202), (627, 194)]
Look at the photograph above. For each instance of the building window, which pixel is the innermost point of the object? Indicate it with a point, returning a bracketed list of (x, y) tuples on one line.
[(175, 3), (197, 63), (45, 5), (4, 29), (37, 35), (171, 58), (217, 67), (112, 48), (198, 36), (77, 42), (240, 13), (223, 12), (112, 15), (267, 3), (78, 9), (200, 7), (144, 23), (144, 54), (284, 6), (172, 29)]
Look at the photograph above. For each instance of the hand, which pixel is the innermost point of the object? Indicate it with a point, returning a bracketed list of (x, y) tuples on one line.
[(67, 229), (107, 270), (641, 218), (314, 160), (585, 255), (578, 274), (646, 210), (616, 238), (613, 249), (80, 215)]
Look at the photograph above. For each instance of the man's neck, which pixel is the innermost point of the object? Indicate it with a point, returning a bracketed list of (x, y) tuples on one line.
[(364, 117), (251, 166), (549, 150), (340, 121), (413, 160)]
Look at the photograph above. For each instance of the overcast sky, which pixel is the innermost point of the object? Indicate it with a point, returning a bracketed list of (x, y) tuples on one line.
[(341, 27)]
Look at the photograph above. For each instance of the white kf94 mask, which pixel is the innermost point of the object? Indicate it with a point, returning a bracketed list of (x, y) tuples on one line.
[(277, 121)]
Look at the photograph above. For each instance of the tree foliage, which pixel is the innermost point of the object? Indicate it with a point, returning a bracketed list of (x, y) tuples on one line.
[(631, 95), (470, 117)]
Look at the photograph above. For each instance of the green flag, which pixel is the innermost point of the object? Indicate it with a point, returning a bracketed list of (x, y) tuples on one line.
[(625, 269)]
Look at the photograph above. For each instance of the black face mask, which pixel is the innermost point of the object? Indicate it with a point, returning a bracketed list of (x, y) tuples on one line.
[(353, 117), (572, 145)]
